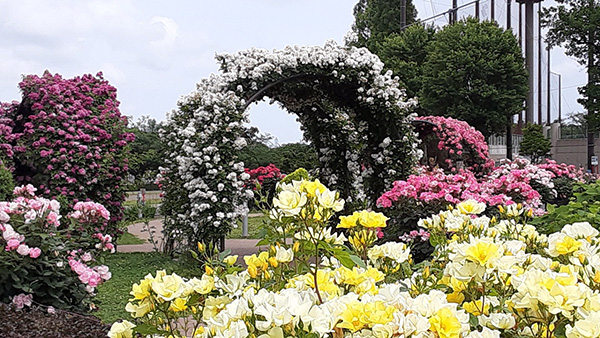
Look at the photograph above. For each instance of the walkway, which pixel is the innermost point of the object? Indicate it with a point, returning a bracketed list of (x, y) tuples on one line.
[(239, 247)]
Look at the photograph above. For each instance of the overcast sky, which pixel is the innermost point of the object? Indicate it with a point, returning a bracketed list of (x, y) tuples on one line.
[(153, 52)]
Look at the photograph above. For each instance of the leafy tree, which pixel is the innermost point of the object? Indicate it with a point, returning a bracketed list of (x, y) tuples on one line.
[(147, 151), (474, 71), (574, 25), (377, 19), (404, 53), (535, 144)]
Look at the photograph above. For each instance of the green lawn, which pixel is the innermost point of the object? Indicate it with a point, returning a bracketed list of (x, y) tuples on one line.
[(126, 238), (254, 225), (127, 269)]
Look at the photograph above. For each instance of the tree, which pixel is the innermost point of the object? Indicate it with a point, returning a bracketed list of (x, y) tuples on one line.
[(534, 143), (375, 20), (574, 25), (147, 151), (404, 53), (474, 71)]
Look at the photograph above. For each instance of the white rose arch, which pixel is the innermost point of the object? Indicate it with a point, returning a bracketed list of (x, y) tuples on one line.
[(354, 115)]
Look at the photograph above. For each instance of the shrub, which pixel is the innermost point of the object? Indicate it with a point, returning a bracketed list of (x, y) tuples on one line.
[(7, 184), (68, 138), (455, 141), (263, 180), (49, 257)]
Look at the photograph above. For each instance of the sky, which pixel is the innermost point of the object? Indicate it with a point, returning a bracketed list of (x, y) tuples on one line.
[(154, 52)]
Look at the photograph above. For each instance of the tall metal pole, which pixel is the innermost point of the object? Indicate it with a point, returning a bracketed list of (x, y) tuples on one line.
[(509, 123), (492, 9), (559, 98), (548, 91), (477, 9), (521, 44), (403, 14), (529, 59), (454, 16), (539, 72)]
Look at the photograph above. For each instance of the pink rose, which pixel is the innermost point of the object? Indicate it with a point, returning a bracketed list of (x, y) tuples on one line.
[(35, 252), (12, 244), (23, 250)]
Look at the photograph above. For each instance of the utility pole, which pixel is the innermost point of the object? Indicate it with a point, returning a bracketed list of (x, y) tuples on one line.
[(509, 123), (454, 16), (477, 9), (403, 14), (539, 73), (591, 72), (549, 87), (492, 9)]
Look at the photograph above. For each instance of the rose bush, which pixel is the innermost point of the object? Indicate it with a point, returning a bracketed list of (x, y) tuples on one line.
[(455, 141), (67, 137), (489, 277), (48, 258), (263, 181)]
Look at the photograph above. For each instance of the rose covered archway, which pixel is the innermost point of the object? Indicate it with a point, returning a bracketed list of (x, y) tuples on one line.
[(353, 113)]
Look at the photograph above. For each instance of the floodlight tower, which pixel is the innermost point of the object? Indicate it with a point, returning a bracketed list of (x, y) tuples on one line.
[(529, 54)]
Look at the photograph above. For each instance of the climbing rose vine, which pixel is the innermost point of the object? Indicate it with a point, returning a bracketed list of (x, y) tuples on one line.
[(353, 113)]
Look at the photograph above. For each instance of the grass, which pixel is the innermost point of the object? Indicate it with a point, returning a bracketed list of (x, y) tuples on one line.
[(254, 227), (130, 268), (126, 238)]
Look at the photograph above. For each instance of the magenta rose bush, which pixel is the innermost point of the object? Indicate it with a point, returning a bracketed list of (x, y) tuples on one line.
[(67, 137), (455, 141), (263, 181), (48, 258)]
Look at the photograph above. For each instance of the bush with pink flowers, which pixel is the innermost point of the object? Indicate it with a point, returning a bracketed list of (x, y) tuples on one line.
[(67, 137), (455, 141), (431, 191), (263, 180), (48, 258)]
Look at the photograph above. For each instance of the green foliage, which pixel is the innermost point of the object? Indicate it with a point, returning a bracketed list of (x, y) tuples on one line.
[(375, 20), (573, 24), (535, 144), (474, 72), (286, 157), (404, 53), (7, 184), (298, 175), (147, 152), (127, 239), (584, 206)]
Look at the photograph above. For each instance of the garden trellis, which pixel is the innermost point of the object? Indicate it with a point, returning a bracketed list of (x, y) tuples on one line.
[(353, 113)]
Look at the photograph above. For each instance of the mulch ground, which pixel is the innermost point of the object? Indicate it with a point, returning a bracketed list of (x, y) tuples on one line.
[(38, 323)]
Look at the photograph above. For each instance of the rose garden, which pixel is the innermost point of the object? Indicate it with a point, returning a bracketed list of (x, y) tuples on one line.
[(406, 229)]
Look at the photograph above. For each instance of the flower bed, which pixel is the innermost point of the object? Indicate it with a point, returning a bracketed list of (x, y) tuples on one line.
[(489, 277)]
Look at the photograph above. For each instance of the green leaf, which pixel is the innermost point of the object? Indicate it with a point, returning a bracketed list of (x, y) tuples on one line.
[(146, 329)]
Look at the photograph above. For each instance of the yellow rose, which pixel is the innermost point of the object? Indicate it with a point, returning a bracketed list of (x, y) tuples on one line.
[(351, 316), (445, 324), (140, 310), (371, 219), (482, 252), (475, 308), (121, 330), (284, 255), (230, 260), (169, 288), (142, 290), (178, 305), (290, 202), (348, 222), (470, 207), (311, 188)]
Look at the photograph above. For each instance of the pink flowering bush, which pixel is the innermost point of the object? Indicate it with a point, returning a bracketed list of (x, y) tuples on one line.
[(263, 180), (67, 137), (49, 258), (457, 140)]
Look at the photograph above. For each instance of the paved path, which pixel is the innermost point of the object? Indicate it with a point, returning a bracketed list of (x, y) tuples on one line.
[(239, 247)]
